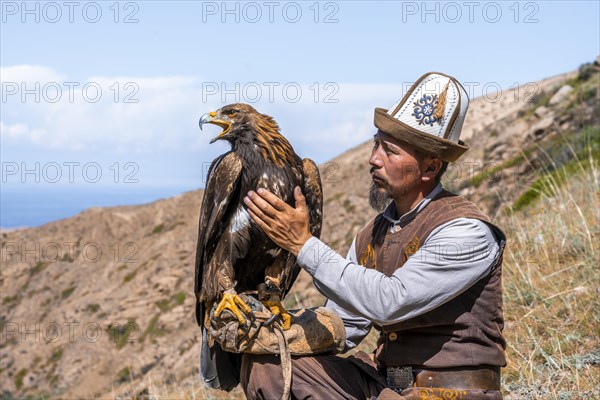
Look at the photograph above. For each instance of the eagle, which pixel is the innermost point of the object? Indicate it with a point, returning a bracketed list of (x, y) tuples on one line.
[(233, 254)]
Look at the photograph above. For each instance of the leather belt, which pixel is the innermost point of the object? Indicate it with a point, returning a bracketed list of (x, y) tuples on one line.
[(399, 378), (483, 377)]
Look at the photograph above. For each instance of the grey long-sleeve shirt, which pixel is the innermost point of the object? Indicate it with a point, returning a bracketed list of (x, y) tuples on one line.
[(454, 257)]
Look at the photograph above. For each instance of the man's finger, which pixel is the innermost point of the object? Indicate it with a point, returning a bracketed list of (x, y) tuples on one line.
[(300, 199), (260, 204), (259, 207), (275, 201), (261, 223)]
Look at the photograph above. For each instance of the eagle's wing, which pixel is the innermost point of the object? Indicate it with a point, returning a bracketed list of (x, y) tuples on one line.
[(223, 177), (313, 192), (219, 369)]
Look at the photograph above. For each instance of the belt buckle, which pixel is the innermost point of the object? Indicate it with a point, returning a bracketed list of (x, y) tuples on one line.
[(399, 378)]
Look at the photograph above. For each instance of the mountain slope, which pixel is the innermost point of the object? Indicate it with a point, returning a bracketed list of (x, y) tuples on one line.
[(102, 304)]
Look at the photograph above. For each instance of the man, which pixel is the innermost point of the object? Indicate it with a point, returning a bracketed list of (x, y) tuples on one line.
[(426, 272)]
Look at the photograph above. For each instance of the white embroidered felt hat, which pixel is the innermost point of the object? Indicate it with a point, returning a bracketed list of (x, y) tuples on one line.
[(429, 117)]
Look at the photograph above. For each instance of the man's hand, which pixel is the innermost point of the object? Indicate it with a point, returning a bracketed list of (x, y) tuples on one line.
[(285, 225)]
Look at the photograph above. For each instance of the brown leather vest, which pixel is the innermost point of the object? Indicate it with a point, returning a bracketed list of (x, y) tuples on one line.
[(467, 330)]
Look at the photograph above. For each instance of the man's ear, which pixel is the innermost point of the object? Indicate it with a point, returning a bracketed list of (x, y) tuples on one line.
[(432, 167)]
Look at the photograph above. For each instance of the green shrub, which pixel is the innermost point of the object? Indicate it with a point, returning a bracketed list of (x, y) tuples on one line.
[(56, 356), (152, 329), (39, 267), (129, 277), (158, 228), (123, 375), (67, 292), (10, 299), (19, 378), (120, 333), (93, 308), (179, 298), (164, 305)]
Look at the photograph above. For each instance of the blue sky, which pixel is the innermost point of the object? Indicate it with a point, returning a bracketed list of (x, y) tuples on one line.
[(118, 87)]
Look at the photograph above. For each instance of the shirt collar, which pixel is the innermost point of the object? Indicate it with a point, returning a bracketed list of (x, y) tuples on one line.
[(391, 212)]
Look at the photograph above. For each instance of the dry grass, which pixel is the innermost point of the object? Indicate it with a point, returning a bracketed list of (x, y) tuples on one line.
[(551, 292), (191, 389)]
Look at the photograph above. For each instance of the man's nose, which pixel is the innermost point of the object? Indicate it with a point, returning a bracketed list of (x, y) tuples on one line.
[(375, 160)]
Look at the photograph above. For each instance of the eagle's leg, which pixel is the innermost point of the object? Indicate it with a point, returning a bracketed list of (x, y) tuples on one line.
[(234, 303), (270, 295), (275, 306), (230, 300)]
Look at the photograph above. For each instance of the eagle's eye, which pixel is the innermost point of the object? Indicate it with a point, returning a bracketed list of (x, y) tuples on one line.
[(231, 113)]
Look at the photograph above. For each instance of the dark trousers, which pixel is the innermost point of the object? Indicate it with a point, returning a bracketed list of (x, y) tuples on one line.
[(331, 377)]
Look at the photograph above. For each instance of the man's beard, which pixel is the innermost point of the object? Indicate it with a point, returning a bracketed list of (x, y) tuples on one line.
[(378, 200)]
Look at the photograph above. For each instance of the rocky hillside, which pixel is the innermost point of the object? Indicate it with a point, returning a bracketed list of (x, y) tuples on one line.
[(102, 304)]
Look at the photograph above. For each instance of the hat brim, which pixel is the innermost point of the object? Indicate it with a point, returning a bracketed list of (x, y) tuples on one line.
[(424, 142)]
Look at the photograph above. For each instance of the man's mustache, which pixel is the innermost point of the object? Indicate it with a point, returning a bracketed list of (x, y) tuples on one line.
[(373, 174)]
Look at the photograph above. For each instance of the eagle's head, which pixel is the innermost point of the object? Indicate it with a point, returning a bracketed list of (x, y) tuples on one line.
[(236, 120), (245, 127)]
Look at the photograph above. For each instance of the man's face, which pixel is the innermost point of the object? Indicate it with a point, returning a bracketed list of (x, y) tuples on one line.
[(396, 169)]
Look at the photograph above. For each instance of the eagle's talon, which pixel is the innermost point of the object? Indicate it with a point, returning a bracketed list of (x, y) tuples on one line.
[(277, 309), (232, 302), (270, 320)]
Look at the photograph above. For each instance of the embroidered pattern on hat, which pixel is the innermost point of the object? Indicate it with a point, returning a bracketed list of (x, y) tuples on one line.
[(424, 109)]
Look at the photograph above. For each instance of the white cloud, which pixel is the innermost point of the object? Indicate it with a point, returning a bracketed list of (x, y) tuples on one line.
[(110, 112), (30, 73), (13, 131), (147, 114), (21, 130)]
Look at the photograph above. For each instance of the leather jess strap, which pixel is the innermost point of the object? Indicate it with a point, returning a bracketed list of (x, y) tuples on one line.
[(486, 378)]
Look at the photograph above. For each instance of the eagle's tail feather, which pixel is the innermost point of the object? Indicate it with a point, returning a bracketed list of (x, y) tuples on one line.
[(219, 369)]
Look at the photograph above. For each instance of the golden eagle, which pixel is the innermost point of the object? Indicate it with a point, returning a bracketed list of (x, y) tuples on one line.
[(233, 254)]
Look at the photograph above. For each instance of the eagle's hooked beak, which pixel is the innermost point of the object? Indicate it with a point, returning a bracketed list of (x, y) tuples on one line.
[(210, 119)]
